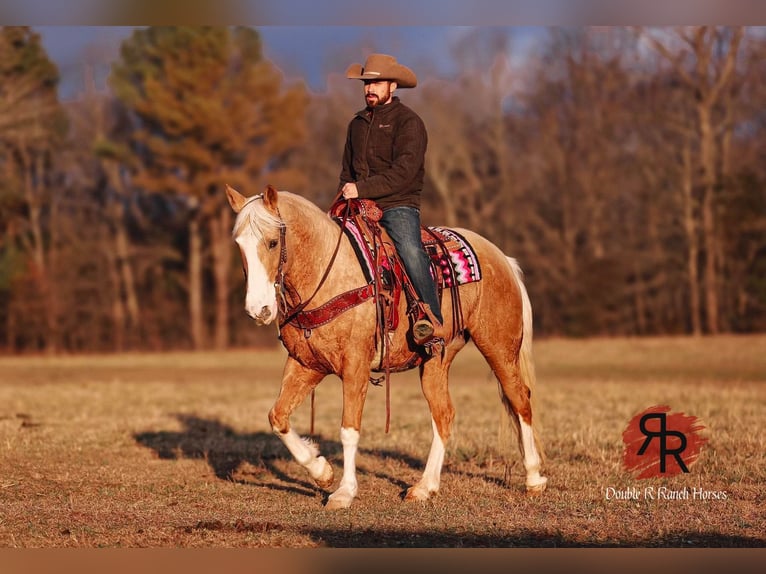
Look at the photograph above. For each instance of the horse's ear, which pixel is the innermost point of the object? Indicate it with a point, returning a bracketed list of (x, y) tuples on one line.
[(236, 199), (270, 198)]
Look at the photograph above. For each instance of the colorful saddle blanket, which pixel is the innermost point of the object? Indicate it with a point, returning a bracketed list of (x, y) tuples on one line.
[(453, 260), (459, 264)]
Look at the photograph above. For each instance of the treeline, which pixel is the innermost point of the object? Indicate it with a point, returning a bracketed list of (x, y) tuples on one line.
[(625, 168)]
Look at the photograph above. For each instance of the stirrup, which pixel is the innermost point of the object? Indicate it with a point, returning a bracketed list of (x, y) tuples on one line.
[(435, 346)]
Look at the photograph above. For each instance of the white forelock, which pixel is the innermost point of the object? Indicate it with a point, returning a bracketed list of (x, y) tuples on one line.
[(255, 218)]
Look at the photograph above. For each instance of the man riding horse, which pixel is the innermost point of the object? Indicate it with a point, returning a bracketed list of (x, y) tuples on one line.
[(384, 160)]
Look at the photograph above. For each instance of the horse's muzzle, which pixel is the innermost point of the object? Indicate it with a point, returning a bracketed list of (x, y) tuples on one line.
[(262, 317)]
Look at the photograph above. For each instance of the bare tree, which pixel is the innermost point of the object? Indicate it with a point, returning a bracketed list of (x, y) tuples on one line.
[(705, 63)]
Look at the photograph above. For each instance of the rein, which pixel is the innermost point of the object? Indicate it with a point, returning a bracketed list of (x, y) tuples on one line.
[(290, 314), (306, 320)]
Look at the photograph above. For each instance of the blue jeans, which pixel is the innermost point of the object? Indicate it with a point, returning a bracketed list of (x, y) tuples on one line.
[(403, 225)]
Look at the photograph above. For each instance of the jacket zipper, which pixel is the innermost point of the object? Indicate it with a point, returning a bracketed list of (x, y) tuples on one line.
[(366, 142)]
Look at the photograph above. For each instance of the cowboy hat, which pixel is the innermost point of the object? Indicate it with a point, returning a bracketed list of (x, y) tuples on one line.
[(383, 67)]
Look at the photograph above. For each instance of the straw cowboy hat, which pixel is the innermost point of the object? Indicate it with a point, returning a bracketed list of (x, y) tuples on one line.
[(383, 67)]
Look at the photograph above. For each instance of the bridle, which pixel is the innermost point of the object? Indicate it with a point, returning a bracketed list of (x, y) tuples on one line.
[(279, 279)]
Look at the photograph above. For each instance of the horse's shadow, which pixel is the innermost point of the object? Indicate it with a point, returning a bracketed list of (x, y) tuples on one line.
[(255, 459)]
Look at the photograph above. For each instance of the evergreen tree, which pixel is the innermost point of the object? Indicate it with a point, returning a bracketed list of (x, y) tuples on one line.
[(32, 128), (208, 110)]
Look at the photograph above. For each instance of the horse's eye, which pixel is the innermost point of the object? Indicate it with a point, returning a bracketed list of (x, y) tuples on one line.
[(273, 243)]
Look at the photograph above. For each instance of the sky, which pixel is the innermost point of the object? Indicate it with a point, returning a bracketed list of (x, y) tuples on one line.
[(389, 13), (305, 53)]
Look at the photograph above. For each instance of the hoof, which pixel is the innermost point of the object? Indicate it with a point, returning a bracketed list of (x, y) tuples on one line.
[(338, 503), (417, 493), (325, 480), (538, 488)]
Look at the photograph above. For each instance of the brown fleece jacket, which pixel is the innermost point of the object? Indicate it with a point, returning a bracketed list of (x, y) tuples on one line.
[(385, 155)]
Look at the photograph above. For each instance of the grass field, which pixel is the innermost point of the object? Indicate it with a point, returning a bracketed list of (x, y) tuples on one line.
[(174, 450)]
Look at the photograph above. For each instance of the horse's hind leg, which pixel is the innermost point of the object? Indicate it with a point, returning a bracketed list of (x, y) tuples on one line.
[(434, 381), (513, 367), (297, 383), (516, 400)]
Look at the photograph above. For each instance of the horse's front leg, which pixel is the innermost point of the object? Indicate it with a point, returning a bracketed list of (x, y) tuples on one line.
[(355, 384), (297, 382)]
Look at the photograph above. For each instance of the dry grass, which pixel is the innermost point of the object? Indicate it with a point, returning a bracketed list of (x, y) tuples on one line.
[(175, 451)]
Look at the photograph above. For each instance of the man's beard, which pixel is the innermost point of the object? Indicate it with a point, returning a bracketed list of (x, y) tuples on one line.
[(373, 100)]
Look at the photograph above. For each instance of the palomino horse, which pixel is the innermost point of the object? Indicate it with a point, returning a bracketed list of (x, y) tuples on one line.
[(289, 247)]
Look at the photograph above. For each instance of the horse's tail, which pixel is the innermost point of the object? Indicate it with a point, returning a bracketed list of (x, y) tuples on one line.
[(526, 361)]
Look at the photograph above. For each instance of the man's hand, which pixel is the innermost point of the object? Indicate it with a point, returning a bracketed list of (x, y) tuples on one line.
[(350, 191)]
